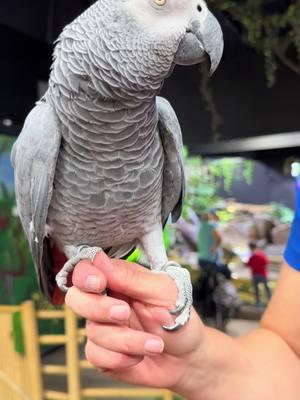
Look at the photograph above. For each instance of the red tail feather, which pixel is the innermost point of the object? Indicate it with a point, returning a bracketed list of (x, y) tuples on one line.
[(58, 297)]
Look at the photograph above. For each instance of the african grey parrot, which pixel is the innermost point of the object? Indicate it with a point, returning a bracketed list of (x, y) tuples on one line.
[(98, 164)]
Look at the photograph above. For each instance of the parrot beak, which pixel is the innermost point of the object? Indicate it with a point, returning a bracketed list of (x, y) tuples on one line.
[(211, 37), (202, 39)]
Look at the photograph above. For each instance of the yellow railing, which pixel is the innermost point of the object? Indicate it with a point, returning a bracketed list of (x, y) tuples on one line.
[(21, 376)]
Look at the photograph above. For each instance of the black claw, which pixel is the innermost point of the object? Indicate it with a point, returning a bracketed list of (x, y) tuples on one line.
[(173, 328), (176, 326), (178, 309)]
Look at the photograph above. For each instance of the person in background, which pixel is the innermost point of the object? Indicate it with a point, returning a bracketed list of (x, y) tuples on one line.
[(209, 242), (258, 263), (204, 288)]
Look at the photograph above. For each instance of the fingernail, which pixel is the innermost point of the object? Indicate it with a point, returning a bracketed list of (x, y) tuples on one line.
[(120, 313), (154, 346), (92, 283)]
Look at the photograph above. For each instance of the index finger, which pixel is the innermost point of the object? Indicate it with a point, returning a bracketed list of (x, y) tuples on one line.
[(137, 282)]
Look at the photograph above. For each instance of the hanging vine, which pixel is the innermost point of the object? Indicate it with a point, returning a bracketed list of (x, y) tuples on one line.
[(208, 97), (271, 27)]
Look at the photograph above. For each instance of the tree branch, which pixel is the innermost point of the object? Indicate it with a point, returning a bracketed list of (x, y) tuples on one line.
[(285, 60)]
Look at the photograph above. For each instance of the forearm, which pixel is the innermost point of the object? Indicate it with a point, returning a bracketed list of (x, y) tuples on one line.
[(258, 366), (282, 315)]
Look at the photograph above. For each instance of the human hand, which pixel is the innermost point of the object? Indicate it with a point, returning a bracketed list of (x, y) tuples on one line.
[(197, 362), (125, 339)]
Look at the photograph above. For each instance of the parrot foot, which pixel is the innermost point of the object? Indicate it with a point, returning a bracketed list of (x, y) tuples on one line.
[(184, 302), (83, 252)]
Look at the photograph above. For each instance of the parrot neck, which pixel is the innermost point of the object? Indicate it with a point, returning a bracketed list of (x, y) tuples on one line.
[(108, 49), (94, 126)]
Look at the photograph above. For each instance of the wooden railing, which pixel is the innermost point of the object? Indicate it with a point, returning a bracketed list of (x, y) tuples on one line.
[(21, 376)]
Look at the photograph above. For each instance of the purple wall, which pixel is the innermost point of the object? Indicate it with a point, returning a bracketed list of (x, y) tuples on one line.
[(268, 186)]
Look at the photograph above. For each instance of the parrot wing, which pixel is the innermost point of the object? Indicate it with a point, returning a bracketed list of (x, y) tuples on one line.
[(173, 176), (34, 158)]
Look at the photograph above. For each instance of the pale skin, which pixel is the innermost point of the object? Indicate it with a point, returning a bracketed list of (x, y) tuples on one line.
[(126, 341), (217, 241)]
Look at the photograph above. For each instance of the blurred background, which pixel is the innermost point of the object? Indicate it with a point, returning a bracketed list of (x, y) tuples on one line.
[(241, 131)]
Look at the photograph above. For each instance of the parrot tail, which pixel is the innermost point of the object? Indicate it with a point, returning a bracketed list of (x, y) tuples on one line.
[(59, 258)]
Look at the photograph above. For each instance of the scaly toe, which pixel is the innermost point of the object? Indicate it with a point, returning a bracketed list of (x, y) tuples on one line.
[(83, 252), (180, 321), (184, 301)]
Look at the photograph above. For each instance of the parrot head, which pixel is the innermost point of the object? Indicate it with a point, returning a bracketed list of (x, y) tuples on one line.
[(180, 32)]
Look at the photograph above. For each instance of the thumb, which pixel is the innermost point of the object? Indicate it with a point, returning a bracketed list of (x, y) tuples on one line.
[(137, 282)]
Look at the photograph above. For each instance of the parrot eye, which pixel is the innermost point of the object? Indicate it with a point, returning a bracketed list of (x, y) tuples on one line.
[(160, 2)]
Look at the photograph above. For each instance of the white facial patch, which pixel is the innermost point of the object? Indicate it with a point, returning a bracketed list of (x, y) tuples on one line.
[(164, 20), (171, 18)]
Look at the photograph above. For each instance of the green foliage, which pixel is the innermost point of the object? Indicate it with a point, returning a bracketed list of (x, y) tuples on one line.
[(225, 215), (201, 190), (17, 277), (270, 27), (12, 241), (18, 336), (281, 213), (6, 144), (16, 269), (41, 303), (208, 97), (247, 171), (205, 178)]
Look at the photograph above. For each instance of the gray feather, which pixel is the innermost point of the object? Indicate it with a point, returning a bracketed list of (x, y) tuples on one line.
[(34, 158), (173, 177)]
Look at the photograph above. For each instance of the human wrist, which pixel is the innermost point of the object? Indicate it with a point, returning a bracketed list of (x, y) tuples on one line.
[(223, 368), (217, 366)]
